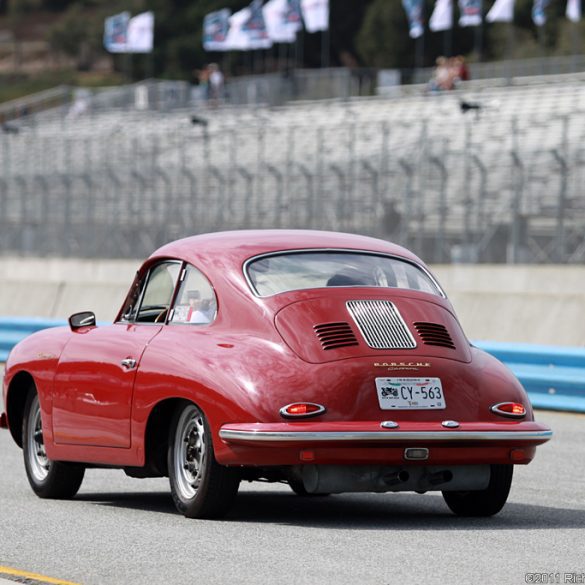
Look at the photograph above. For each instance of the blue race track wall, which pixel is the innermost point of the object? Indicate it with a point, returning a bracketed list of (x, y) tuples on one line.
[(14, 329), (554, 377)]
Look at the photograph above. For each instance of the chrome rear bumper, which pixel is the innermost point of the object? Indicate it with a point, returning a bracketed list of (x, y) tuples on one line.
[(232, 435)]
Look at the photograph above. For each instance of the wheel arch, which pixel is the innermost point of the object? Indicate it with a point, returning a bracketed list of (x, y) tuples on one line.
[(18, 390), (157, 432)]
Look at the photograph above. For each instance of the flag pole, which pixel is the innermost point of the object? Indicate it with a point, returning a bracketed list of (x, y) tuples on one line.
[(510, 49), (325, 40), (576, 45), (419, 44), (128, 67), (300, 50), (479, 42), (448, 42)]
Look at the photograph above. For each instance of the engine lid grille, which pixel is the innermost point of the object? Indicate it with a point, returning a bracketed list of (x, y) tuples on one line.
[(335, 335), (381, 324), (434, 334)]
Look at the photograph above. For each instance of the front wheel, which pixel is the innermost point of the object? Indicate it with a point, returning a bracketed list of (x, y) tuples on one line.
[(200, 486), (48, 479), (486, 502)]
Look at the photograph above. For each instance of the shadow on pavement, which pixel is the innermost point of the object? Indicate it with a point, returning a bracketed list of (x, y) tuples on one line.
[(357, 511)]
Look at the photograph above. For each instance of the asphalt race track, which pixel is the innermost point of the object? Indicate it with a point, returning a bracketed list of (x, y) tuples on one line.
[(124, 531)]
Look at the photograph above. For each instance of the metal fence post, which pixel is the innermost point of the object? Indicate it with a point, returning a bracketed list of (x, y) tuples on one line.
[(516, 235), (249, 179), (311, 207), (407, 204), (440, 237), (280, 199), (375, 202), (560, 243), (481, 197)]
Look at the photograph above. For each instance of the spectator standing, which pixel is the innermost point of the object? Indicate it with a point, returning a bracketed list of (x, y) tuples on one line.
[(441, 79), (216, 82), (462, 68)]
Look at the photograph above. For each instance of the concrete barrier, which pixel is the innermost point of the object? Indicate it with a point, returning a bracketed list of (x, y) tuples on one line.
[(519, 304), (57, 288)]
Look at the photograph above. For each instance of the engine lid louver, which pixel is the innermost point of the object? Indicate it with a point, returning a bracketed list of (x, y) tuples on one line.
[(335, 335), (381, 324), (434, 334)]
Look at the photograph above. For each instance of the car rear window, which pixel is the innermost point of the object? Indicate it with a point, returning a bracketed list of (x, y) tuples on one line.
[(270, 275)]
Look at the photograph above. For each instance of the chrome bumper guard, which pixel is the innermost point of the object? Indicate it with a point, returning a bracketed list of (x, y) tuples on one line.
[(257, 436)]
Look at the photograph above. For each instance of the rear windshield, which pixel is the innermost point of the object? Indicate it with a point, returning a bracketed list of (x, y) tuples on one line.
[(270, 275)]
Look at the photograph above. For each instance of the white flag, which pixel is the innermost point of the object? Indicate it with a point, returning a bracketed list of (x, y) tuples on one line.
[(442, 16), (574, 10), (501, 11), (116, 32), (216, 26), (470, 12), (248, 30), (315, 15), (237, 39), (279, 28), (141, 33)]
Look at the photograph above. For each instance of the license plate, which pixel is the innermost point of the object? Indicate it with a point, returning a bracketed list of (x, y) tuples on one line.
[(410, 393)]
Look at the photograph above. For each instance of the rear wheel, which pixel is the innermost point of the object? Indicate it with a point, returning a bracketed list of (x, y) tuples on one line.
[(200, 486), (483, 502), (48, 479)]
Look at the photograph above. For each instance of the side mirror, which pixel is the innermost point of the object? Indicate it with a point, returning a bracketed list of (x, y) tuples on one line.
[(84, 319)]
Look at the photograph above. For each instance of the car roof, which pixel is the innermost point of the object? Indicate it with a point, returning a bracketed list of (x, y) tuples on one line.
[(235, 247)]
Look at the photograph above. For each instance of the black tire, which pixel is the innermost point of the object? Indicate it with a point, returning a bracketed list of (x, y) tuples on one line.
[(296, 485), (482, 503), (200, 486), (48, 479)]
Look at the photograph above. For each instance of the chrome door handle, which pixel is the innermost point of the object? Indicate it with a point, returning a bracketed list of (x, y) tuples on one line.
[(128, 363)]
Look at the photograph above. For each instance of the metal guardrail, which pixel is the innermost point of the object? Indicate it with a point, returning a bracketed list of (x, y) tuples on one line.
[(24, 107), (554, 377), (15, 329)]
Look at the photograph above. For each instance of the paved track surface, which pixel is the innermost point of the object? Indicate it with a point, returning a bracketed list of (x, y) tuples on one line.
[(125, 531)]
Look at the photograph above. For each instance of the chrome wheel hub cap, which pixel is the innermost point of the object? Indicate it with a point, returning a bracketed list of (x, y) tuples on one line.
[(189, 451), (38, 461)]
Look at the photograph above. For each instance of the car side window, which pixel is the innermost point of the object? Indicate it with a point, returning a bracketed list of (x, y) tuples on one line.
[(132, 299), (158, 293), (196, 303)]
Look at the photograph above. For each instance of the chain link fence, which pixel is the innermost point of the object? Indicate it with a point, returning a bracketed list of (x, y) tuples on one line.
[(454, 188)]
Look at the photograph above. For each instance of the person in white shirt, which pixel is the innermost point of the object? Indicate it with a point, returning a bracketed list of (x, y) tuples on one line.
[(195, 314)]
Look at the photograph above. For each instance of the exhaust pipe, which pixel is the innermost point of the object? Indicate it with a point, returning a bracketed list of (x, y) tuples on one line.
[(440, 477), (396, 477)]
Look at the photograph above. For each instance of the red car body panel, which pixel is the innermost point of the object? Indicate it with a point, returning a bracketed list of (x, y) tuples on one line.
[(259, 355)]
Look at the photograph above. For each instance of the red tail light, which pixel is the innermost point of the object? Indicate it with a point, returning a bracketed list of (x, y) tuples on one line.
[(301, 409), (509, 409)]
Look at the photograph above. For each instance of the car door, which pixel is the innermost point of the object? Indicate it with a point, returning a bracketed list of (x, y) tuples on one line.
[(94, 382)]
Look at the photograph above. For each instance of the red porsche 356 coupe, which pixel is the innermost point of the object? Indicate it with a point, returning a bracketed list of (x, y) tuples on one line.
[(333, 362)]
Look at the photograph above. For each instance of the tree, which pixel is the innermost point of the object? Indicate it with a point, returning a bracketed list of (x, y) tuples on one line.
[(383, 39)]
